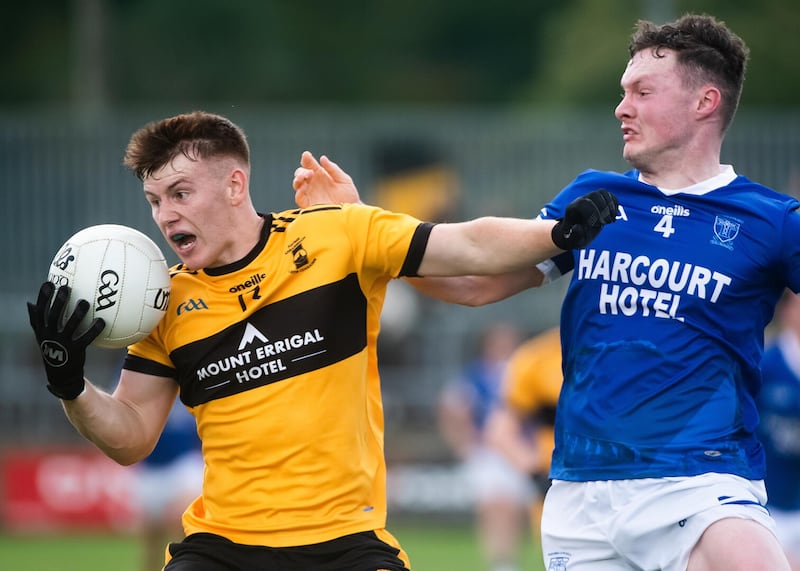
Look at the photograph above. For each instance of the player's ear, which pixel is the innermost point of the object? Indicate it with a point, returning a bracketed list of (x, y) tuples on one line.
[(709, 100), (237, 186)]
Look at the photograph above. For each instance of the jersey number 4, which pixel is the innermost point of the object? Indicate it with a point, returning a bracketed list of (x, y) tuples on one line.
[(665, 226)]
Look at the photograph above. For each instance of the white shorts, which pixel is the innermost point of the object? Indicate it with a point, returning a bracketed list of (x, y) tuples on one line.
[(787, 526), (491, 477), (651, 523), (170, 487)]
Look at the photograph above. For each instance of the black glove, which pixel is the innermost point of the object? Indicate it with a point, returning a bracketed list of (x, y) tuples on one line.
[(584, 218), (63, 352)]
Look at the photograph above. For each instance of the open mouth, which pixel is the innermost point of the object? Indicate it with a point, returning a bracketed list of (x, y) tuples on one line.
[(183, 241)]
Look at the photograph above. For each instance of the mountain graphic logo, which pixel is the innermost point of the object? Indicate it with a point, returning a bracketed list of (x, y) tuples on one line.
[(250, 335)]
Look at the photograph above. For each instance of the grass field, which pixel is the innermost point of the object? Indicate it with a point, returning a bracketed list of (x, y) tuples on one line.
[(432, 547)]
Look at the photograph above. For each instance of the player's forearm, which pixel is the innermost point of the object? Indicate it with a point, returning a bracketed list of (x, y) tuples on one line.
[(522, 455), (504, 432), (111, 425), (476, 291), (487, 246)]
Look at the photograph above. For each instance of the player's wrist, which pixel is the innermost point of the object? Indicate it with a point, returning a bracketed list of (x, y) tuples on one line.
[(583, 219), (67, 388), (567, 236)]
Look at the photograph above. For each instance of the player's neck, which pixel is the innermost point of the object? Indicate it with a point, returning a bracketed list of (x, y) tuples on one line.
[(681, 172)]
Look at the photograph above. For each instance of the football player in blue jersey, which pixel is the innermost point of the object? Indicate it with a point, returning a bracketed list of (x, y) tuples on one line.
[(779, 407), (657, 464)]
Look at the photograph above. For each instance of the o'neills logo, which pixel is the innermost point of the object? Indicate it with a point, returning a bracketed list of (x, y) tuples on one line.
[(252, 282), (676, 210)]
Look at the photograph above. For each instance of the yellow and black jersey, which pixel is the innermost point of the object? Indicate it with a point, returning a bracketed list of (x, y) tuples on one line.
[(276, 359), (532, 384)]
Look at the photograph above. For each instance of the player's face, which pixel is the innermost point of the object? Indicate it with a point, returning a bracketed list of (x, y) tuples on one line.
[(655, 111), (191, 202)]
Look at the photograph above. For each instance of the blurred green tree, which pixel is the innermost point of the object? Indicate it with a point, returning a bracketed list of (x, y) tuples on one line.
[(586, 49), (542, 53)]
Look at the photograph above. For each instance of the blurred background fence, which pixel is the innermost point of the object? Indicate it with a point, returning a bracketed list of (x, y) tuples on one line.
[(58, 176)]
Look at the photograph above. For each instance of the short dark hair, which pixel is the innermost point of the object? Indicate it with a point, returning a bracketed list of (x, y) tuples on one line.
[(196, 135), (706, 49)]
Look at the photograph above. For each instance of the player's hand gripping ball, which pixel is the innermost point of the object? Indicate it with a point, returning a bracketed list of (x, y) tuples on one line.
[(122, 274)]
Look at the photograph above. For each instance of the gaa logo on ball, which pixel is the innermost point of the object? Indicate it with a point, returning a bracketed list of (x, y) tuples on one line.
[(122, 274)]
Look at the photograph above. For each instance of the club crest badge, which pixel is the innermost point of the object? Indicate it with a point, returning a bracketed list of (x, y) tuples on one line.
[(725, 231), (557, 561), (299, 256)]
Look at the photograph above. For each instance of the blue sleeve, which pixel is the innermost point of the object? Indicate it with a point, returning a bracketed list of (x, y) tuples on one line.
[(790, 247)]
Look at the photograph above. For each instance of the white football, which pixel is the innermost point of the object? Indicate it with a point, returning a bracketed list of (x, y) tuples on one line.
[(122, 274)]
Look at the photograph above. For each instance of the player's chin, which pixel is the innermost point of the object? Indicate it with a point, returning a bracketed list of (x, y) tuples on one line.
[(189, 261), (627, 152), (187, 251), (634, 157)]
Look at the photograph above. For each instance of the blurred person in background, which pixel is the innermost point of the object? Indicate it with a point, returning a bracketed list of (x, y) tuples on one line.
[(501, 492), (167, 480), (281, 374), (521, 427), (657, 464), (779, 407)]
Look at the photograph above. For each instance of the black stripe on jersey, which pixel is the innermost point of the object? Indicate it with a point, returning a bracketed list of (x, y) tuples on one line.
[(297, 335), (416, 250), (318, 208), (279, 222), (180, 269), (148, 367)]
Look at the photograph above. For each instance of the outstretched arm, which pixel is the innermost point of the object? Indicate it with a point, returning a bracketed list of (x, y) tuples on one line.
[(487, 246), (484, 246), (491, 246), (476, 291)]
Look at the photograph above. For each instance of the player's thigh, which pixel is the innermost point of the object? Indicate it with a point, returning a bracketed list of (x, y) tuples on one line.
[(737, 544), (575, 526), (787, 529)]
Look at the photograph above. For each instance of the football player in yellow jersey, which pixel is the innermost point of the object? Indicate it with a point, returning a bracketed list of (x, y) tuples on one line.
[(270, 341), (522, 426)]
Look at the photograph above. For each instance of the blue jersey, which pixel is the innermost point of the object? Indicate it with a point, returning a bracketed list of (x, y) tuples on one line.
[(779, 405), (481, 384), (662, 327), (178, 438)]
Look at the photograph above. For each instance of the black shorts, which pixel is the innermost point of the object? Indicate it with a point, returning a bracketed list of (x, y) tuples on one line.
[(357, 552)]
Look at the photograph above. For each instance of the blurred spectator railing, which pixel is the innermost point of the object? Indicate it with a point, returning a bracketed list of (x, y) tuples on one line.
[(58, 176)]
